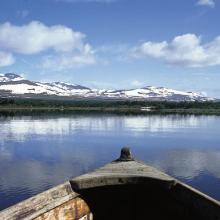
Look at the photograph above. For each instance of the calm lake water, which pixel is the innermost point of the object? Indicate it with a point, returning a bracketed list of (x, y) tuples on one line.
[(38, 152)]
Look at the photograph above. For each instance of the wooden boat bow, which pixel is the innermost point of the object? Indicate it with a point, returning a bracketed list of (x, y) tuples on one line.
[(123, 189), (123, 171)]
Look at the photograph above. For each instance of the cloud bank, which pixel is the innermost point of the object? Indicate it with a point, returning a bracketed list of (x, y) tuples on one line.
[(184, 50), (209, 3), (35, 37)]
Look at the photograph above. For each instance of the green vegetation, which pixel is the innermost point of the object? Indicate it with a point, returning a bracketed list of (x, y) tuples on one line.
[(104, 105)]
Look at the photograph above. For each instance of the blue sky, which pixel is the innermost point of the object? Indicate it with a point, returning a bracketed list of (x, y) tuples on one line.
[(114, 43)]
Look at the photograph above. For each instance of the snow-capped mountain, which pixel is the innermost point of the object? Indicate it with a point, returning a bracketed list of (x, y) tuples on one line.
[(13, 85), (16, 85), (157, 93), (8, 77)]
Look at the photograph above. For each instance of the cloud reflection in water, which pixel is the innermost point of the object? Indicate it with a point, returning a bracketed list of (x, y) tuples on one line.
[(37, 153)]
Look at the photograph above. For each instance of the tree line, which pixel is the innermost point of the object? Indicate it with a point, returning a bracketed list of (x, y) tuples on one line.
[(86, 103)]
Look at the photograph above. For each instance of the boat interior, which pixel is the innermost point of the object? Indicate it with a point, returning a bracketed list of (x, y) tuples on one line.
[(136, 201)]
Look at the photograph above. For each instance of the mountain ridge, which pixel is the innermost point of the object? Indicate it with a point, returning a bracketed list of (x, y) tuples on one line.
[(12, 85)]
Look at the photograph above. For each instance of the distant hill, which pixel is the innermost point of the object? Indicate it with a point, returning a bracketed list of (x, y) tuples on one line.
[(13, 85)]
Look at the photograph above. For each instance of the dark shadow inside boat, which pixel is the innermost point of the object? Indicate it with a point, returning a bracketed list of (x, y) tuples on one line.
[(135, 201)]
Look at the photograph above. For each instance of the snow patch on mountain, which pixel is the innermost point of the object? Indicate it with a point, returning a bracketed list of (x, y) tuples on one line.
[(8, 77), (17, 85)]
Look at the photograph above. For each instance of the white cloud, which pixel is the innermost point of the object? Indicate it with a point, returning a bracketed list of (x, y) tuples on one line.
[(209, 3), (36, 37), (70, 60), (184, 50), (6, 59)]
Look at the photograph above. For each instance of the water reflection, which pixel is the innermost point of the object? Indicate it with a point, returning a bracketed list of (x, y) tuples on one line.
[(21, 129), (189, 164), (39, 152)]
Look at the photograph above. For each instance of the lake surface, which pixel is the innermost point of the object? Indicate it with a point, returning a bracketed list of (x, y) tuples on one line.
[(38, 152)]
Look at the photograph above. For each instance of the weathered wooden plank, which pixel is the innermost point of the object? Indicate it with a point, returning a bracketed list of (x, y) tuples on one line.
[(39, 204), (73, 209)]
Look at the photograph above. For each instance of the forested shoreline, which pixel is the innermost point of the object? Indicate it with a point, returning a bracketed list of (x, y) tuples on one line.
[(210, 107)]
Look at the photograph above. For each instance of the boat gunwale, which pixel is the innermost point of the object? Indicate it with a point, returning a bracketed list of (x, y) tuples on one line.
[(41, 203)]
